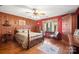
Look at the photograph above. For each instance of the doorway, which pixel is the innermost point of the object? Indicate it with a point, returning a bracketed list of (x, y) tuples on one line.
[(78, 22)]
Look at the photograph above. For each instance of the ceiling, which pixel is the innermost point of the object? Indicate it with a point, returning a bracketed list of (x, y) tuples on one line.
[(49, 10)]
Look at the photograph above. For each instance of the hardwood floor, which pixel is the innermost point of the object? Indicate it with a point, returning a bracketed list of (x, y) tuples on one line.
[(12, 47)]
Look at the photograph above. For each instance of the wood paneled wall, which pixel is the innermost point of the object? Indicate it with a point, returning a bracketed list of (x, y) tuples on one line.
[(13, 21)]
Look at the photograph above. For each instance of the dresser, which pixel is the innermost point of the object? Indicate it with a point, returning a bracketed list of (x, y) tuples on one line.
[(6, 37)]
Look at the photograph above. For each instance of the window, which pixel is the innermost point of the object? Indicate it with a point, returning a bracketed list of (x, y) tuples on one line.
[(50, 25)]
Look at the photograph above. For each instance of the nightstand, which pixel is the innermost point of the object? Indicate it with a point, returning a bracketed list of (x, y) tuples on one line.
[(6, 37)]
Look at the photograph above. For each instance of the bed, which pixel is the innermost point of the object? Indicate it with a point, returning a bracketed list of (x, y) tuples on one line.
[(28, 39)]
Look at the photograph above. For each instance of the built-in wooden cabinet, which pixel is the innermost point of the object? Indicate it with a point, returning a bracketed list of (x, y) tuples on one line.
[(69, 23)]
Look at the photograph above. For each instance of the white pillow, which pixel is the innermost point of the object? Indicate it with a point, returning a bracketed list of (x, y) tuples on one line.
[(19, 30), (22, 30), (56, 33), (25, 30)]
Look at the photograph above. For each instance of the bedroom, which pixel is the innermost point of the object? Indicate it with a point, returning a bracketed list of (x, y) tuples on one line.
[(33, 29)]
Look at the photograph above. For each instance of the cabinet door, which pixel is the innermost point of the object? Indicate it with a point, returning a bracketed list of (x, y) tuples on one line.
[(74, 21), (67, 24)]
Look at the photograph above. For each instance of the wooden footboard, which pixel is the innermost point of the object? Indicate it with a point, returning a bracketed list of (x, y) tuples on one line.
[(35, 42), (26, 41)]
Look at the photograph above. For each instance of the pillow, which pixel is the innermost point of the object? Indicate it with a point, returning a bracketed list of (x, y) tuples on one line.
[(22, 30), (56, 33)]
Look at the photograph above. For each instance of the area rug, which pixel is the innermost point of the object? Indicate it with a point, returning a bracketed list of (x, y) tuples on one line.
[(49, 49)]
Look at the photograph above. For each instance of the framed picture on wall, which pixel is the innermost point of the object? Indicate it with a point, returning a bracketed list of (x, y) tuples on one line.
[(22, 22)]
